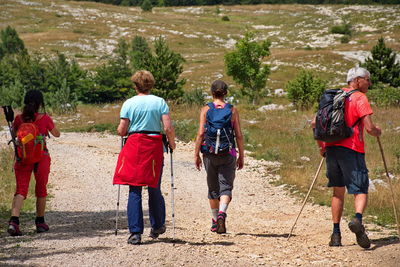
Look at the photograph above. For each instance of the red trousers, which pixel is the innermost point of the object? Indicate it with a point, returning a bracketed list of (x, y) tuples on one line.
[(41, 172)]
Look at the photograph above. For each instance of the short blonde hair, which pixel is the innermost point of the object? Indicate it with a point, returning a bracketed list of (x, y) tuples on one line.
[(143, 80)]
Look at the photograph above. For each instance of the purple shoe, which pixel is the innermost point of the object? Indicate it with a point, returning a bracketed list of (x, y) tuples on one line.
[(13, 229), (214, 225), (221, 229), (42, 227)]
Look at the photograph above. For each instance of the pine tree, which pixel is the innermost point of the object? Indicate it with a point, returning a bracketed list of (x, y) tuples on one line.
[(146, 6), (382, 65), (140, 54), (10, 42), (166, 67)]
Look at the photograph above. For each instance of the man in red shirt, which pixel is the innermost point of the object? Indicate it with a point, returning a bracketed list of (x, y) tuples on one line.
[(345, 159)]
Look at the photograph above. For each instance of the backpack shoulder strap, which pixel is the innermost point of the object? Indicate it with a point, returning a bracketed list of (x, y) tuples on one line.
[(352, 91), (211, 105), (229, 106)]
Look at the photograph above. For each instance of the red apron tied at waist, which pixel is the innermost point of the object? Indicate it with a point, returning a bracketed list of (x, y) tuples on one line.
[(140, 161)]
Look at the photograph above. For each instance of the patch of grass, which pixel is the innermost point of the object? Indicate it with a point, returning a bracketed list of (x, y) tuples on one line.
[(102, 127), (7, 188), (84, 56), (78, 31)]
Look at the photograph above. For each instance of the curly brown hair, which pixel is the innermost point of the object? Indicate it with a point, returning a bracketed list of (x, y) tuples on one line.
[(143, 80)]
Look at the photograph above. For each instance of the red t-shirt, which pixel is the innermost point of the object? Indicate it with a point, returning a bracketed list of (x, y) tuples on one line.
[(45, 123), (356, 107)]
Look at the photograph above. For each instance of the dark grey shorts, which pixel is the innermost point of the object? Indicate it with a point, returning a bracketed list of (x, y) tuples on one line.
[(346, 167), (220, 174)]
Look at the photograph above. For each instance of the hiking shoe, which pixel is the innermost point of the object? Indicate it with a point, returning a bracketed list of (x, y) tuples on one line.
[(336, 240), (13, 229), (154, 233), (42, 227), (135, 239), (221, 229), (214, 225), (359, 229)]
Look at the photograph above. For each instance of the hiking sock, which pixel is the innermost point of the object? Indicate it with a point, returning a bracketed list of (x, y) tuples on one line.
[(223, 207), (214, 213), (14, 219), (359, 217), (336, 228), (39, 220)]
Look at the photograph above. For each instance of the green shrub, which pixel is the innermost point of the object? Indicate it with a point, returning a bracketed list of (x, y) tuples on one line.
[(385, 96), (12, 95), (342, 29), (146, 6), (225, 18), (305, 90), (246, 65), (194, 97), (345, 39), (185, 129)]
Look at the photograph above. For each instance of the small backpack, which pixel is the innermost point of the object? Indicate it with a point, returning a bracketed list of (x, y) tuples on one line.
[(330, 125), (31, 144), (219, 133)]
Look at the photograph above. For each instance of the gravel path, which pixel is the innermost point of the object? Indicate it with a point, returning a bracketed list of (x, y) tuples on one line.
[(82, 213)]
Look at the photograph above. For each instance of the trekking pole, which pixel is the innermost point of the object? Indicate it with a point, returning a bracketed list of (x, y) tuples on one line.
[(390, 185), (123, 139), (172, 196), (308, 193), (9, 114)]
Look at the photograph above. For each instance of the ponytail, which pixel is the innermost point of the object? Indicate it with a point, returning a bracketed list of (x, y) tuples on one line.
[(33, 101)]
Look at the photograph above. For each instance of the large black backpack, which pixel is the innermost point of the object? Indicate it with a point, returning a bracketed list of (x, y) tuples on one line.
[(330, 125), (219, 134)]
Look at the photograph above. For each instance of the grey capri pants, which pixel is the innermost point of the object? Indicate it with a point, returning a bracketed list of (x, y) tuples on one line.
[(220, 171)]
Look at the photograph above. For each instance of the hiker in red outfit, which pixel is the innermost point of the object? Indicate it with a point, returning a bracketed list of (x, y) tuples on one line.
[(219, 152), (33, 102), (345, 159), (141, 159)]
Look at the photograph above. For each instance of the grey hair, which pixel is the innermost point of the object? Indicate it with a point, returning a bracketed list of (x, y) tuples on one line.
[(357, 72)]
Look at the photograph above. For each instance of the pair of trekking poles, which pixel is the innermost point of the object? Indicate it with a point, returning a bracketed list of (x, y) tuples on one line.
[(166, 145), (9, 114), (387, 176)]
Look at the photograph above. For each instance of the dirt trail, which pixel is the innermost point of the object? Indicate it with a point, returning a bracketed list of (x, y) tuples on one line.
[(82, 212)]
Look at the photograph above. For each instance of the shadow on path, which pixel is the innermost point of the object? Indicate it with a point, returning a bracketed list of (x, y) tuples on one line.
[(267, 235), (385, 241)]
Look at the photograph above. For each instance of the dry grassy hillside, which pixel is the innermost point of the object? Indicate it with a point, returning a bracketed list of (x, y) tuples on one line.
[(300, 34)]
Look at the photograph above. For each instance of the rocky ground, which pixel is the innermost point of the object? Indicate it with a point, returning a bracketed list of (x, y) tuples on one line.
[(81, 216)]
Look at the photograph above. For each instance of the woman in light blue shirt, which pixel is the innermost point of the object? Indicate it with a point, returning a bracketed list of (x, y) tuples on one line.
[(140, 161)]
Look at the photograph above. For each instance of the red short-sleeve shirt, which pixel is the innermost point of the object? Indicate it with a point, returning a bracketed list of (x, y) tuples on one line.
[(356, 107), (45, 123)]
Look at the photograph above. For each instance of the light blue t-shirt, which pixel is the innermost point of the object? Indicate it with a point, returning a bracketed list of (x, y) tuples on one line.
[(144, 113)]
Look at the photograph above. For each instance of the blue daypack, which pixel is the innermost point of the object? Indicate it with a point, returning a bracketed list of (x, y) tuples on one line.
[(219, 133)]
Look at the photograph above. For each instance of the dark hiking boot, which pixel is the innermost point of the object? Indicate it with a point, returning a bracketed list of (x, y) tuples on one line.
[(359, 229), (154, 233), (221, 229), (336, 240), (135, 239), (214, 225), (13, 229), (42, 227)]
